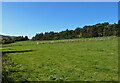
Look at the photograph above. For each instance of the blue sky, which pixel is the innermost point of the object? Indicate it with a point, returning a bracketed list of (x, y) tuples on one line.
[(29, 18)]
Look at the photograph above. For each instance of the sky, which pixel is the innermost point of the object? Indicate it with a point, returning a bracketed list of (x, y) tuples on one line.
[(29, 18), (60, 0)]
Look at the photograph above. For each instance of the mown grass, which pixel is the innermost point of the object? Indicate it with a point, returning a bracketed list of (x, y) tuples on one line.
[(89, 60)]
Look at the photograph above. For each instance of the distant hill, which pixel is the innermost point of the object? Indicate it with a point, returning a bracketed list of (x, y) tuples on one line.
[(6, 36)]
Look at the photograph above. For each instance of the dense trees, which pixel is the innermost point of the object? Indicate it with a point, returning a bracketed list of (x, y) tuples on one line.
[(20, 38), (12, 40), (119, 28), (98, 30)]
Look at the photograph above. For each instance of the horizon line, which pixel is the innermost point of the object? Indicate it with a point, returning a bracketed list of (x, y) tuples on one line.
[(55, 31)]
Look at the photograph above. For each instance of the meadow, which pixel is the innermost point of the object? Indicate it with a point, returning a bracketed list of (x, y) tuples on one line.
[(85, 59)]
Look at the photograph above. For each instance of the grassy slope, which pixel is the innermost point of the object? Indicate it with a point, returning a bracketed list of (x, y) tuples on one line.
[(88, 60)]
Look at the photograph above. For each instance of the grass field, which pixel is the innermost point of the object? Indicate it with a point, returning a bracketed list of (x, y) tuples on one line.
[(90, 59)]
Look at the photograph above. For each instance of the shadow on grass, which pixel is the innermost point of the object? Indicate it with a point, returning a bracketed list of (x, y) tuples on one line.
[(17, 51), (6, 63)]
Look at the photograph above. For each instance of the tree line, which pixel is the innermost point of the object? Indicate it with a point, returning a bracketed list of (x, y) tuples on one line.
[(98, 30), (12, 40)]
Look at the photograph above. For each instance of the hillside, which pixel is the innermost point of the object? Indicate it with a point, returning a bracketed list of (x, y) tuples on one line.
[(6, 36), (87, 59)]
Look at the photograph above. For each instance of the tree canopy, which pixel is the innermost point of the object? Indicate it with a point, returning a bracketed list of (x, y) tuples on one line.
[(98, 30)]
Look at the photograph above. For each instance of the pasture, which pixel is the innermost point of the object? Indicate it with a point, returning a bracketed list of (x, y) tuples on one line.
[(89, 59)]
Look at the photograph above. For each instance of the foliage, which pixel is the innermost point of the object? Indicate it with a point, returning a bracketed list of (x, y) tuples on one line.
[(12, 40), (98, 30)]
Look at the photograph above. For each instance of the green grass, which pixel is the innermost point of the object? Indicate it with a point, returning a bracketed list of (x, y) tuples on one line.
[(90, 60)]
